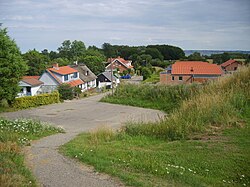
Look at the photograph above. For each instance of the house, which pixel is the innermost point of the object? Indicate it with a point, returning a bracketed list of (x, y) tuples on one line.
[(52, 77), (104, 80), (87, 76), (119, 64), (30, 86), (184, 72), (230, 65)]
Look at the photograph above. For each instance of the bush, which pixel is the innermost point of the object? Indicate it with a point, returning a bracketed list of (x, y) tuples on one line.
[(34, 101), (66, 92)]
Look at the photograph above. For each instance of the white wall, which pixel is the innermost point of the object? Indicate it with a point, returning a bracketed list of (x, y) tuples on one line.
[(48, 80), (34, 90)]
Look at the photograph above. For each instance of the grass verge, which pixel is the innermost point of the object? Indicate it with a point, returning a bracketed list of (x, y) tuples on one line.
[(13, 136), (214, 160)]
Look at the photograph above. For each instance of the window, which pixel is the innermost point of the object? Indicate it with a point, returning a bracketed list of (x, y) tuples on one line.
[(66, 77), (180, 78), (235, 68), (172, 78), (75, 75)]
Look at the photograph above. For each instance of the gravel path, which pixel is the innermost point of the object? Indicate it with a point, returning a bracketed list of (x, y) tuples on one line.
[(52, 168)]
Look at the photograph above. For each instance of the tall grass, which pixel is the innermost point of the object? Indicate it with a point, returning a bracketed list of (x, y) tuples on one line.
[(216, 105), (160, 97)]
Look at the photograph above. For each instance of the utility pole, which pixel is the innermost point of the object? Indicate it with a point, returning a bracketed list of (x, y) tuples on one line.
[(112, 76)]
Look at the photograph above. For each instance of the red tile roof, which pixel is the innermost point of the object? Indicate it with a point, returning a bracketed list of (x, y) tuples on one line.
[(52, 74), (195, 67), (75, 82), (32, 81), (227, 63), (31, 77), (63, 70)]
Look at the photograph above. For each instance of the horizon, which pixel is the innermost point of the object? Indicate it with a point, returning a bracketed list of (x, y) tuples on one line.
[(188, 24)]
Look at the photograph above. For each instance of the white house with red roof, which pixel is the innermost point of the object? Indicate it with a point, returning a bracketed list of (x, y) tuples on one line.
[(30, 86), (184, 72), (119, 64), (52, 77)]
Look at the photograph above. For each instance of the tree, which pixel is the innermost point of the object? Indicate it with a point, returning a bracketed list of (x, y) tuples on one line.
[(155, 53), (169, 52), (12, 67), (109, 50), (35, 61), (94, 63), (146, 73), (196, 57), (72, 51), (65, 91), (93, 52), (61, 61)]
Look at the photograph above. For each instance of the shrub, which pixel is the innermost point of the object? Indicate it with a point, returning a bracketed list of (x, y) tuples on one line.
[(34, 101), (65, 91)]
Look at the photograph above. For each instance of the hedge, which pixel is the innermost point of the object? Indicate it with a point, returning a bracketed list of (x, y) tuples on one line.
[(34, 101)]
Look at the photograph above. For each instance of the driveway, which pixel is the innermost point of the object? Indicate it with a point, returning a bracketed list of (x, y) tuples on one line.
[(52, 168)]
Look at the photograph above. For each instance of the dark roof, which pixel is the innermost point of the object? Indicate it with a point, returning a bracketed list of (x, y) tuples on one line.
[(107, 74), (32, 81), (83, 69)]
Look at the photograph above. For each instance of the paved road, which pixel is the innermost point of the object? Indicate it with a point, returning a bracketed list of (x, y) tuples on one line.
[(52, 168)]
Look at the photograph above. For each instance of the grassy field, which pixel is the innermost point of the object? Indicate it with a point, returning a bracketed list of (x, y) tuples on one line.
[(204, 141), (160, 97), (13, 136)]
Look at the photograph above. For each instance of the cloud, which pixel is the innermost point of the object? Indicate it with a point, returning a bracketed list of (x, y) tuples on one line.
[(190, 24)]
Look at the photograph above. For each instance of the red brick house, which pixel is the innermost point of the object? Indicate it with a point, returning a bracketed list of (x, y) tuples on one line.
[(119, 63), (230, 65), (184, 72)]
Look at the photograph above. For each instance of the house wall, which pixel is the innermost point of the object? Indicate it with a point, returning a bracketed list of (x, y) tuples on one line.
[(34, 90), (232, 66), (49, 83), (186, 79), (167, 79), (116, 64)]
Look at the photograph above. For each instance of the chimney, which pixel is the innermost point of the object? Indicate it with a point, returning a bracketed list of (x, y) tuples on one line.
[(119, 57), (55, 65)]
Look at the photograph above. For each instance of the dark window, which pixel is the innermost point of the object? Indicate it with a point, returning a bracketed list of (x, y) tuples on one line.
[(66, 77), (75, 75), (235, 68), (180, 78), (172, 78)]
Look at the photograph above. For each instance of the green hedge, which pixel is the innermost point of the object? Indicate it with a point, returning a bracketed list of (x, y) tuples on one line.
[(34, 101)]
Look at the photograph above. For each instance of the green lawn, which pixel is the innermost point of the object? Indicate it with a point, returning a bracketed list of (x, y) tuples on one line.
[(14, 135), (218, 160)]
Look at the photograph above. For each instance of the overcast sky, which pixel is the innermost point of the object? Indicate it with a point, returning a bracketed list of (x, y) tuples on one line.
[(189, 24)]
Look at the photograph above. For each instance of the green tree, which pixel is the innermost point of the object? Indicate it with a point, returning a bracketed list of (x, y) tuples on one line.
[(93, 52), (72, 50), (196, 57), (146, 73), (109, 50), (77, 49), (65, 91), (35, 61), (64, 50), (12, 67), (94, 63), (61, 61), (155, 53)]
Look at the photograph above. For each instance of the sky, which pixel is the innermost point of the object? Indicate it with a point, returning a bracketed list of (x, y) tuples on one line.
[(189, 24)]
